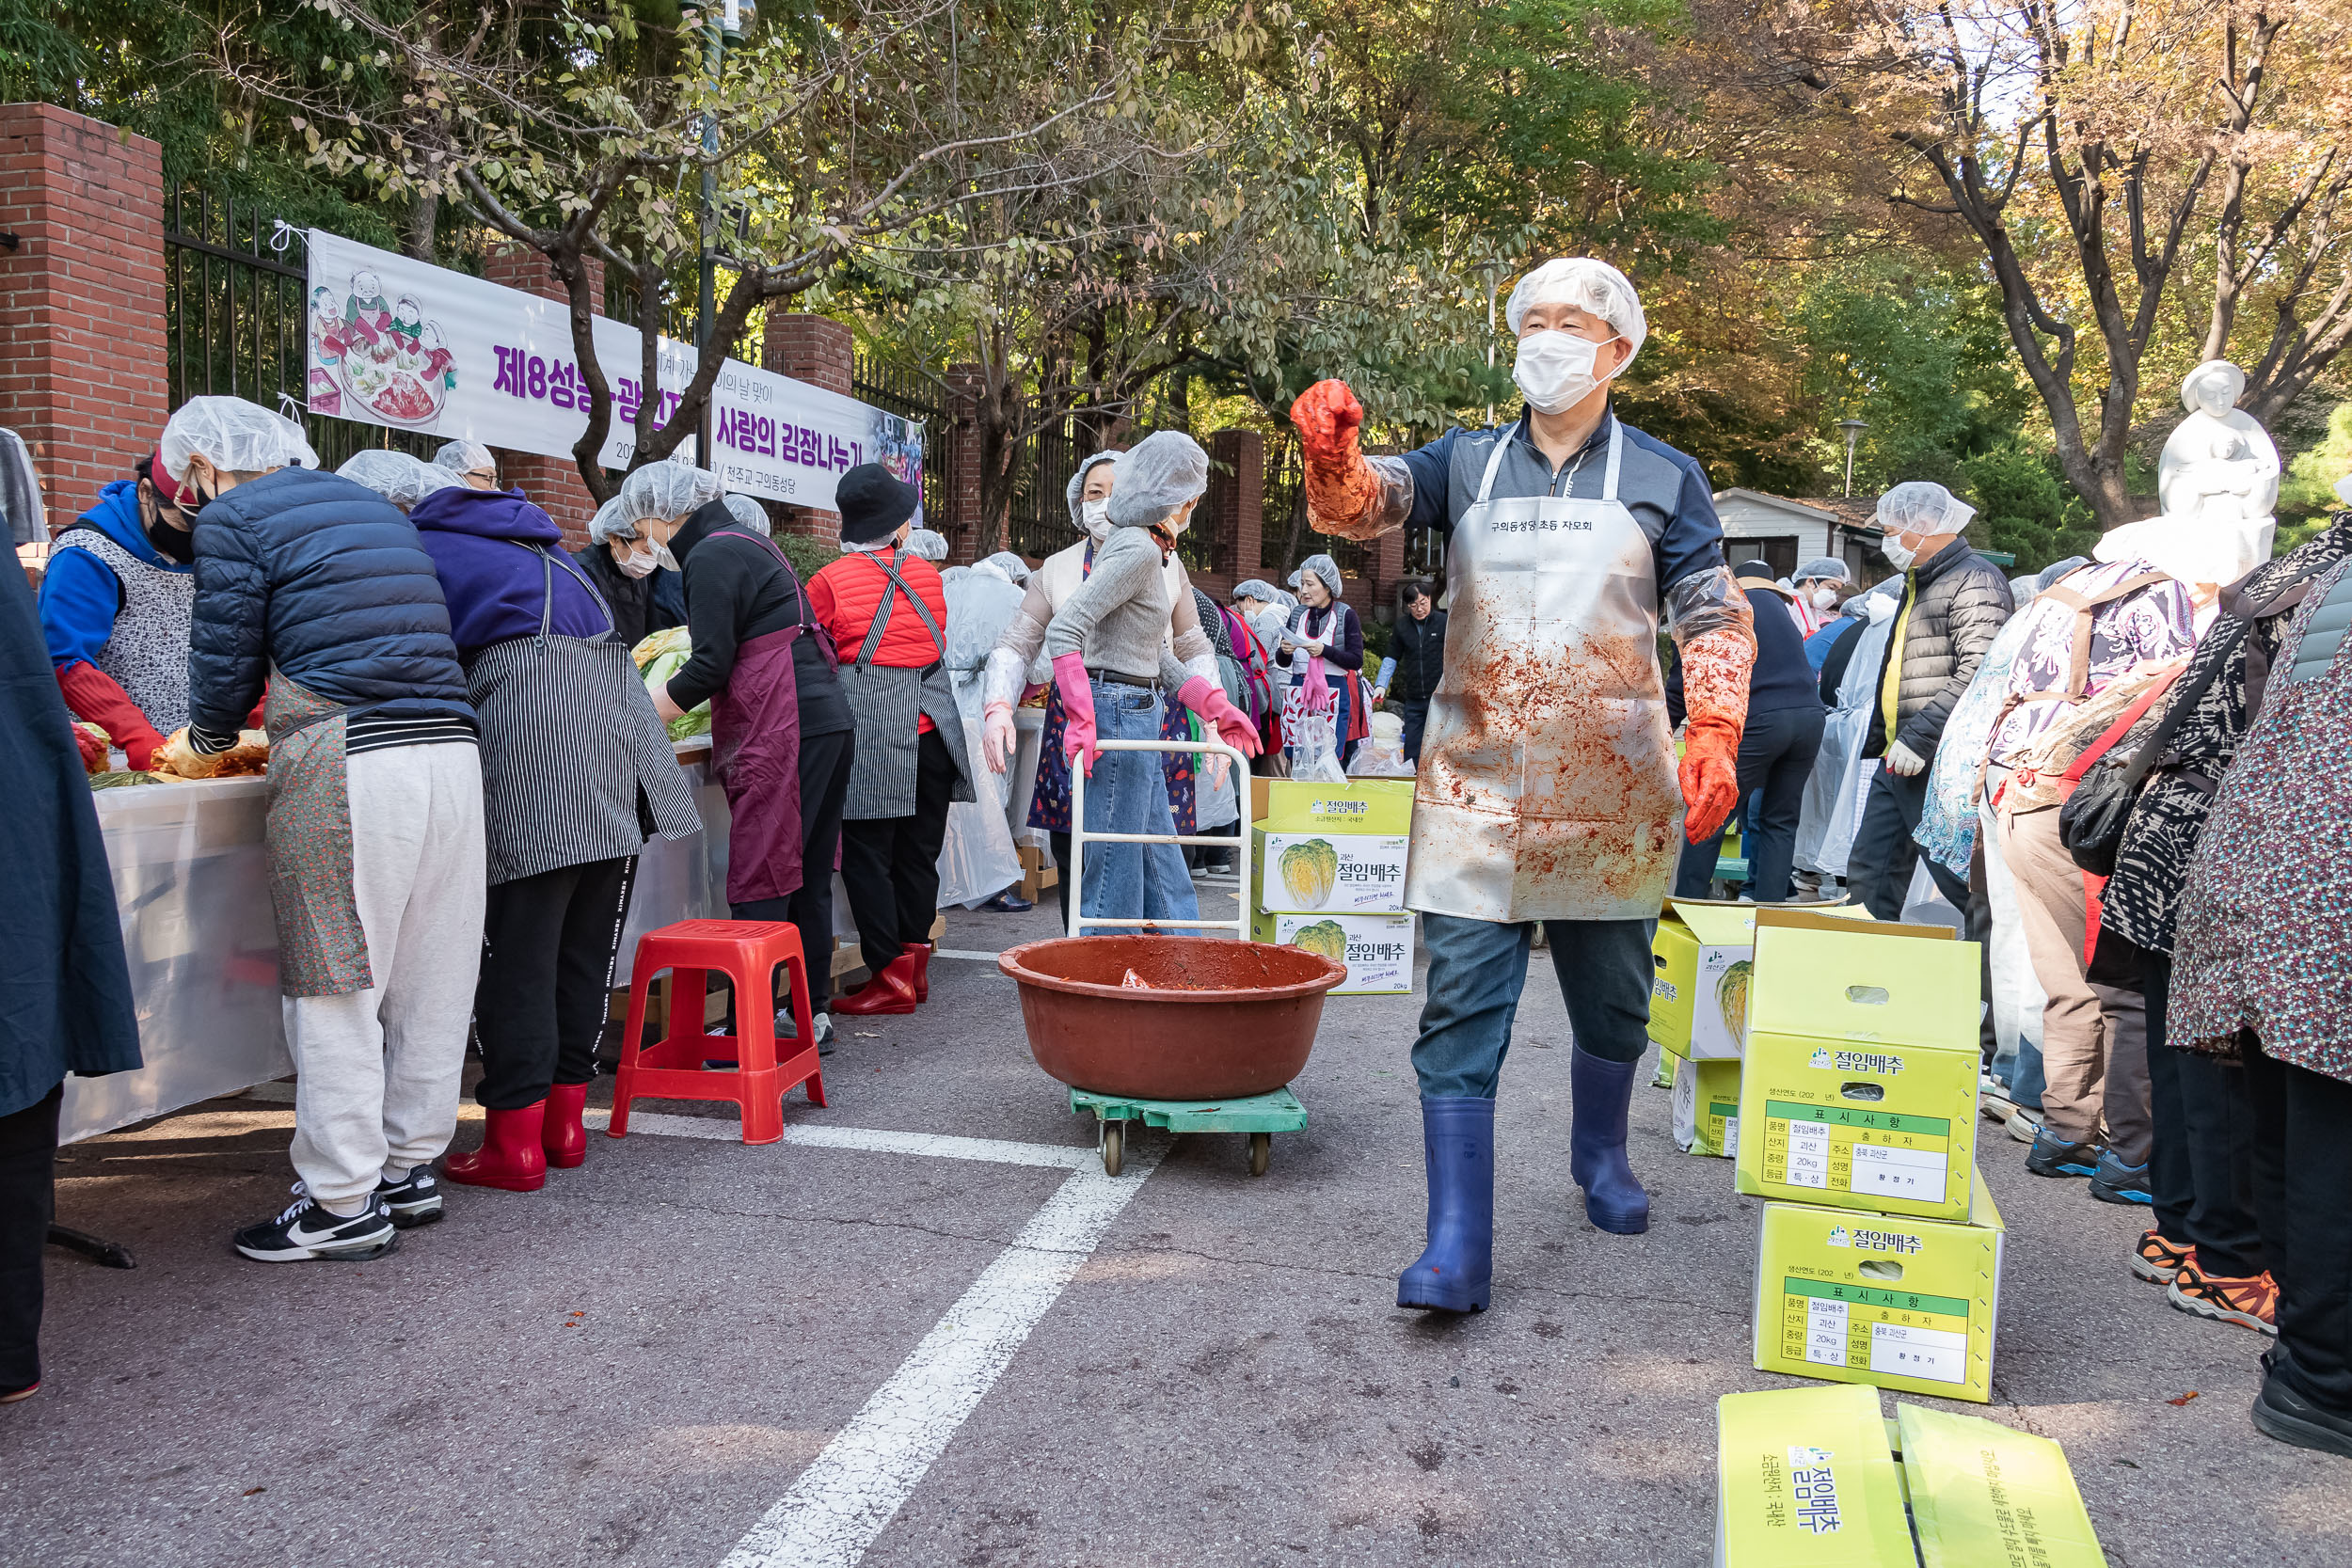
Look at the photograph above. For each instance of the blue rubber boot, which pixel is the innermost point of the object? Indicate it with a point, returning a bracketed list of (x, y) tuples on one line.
[(1613, 1198), (1454, 1272)]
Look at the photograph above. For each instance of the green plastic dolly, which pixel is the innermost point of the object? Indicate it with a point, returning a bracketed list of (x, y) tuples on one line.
[(1260, 1115)]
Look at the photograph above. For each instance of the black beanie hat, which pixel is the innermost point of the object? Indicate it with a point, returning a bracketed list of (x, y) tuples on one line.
[(872, 503)]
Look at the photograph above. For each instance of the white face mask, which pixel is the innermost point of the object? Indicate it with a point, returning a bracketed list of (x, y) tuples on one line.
[(1899, 555), (1825, 598), (1097, 516), (639, 563), (1556, 370), (661, 556)]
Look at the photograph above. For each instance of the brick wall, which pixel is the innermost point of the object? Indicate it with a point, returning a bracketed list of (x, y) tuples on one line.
[(554, 484), (959, 445), (82, 369), (821, 352)]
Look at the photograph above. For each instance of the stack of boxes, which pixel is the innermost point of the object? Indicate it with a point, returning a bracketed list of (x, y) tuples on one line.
[(1881, 1255), (1327, 861)]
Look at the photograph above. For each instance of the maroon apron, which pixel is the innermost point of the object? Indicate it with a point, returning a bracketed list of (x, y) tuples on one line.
[(755, 754)]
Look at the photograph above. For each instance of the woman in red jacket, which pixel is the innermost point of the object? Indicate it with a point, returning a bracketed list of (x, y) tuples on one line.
[(886, 610)]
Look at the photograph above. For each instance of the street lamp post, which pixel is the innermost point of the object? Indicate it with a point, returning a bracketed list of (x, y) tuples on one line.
[(734, 18), (1854, 429)]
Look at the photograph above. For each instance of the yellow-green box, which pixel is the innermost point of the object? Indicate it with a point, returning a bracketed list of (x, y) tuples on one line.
[(1859, 1085), (1804, 1479), (1377, 948), (1378, 806), (1707, 1107), (1860, 1297), (1701, 960), (1983, 1495)]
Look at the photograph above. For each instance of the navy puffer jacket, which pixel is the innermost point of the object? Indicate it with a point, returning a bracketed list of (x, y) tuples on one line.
[(325, 580)]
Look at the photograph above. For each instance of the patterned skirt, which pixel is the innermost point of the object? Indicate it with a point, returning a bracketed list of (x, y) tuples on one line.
[(1049, 803)]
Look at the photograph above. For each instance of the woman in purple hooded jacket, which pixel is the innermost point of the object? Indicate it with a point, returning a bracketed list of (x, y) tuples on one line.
[(577, 772)]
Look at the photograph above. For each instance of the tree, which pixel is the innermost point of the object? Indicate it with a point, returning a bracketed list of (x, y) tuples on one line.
[(2025, 508), (2141, 178), (2307, 495)]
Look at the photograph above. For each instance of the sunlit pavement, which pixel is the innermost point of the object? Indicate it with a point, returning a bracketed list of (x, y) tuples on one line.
[(907, 1352)]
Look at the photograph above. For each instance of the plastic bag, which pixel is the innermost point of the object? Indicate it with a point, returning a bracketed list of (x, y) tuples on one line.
[(1380, 759), (1314, 750), (664, 654), (977, 859)]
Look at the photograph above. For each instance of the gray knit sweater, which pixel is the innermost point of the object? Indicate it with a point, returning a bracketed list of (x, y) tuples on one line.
[(1118, 617)]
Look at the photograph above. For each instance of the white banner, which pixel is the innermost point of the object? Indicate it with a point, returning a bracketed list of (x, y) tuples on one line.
[(405, 345)]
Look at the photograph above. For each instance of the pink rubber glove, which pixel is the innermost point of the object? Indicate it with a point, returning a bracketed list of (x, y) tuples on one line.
[(1077, 708), (998, 739), (1210, 702)]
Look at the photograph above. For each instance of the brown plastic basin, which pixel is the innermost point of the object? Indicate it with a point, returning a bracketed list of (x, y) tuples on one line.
[(1223, 1019)]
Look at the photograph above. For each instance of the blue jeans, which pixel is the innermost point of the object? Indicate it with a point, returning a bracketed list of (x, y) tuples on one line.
[(1127, 793), (1477, 969)]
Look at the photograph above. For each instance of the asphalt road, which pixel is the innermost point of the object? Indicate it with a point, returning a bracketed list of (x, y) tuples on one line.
[(638, 1364)]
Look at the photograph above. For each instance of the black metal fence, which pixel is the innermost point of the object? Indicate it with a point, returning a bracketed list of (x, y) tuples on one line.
[(236, 321), (1041, 499), (914, 395), (1287, 539)]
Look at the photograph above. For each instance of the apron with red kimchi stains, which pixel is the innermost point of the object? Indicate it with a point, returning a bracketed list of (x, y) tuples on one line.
[(1546, 788)]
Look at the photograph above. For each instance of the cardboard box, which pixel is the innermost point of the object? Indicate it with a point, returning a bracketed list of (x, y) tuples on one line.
[(1702, 961), (1707, 1107), (1379, 947), (1985, 1496), (1860, 1297), (1039, 875), (1804, 1479), (1347, 873), (1378, 806), (1859, 1085)]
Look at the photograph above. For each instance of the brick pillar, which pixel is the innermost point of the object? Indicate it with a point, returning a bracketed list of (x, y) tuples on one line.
[(554, 484), (81, 349), (959, 445), (824, 353), (1388, 567), (1237, 485)]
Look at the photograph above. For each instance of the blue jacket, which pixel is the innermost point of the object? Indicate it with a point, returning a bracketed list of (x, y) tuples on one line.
[(495, 588), (324, 579), (65, 992), (79, 595)]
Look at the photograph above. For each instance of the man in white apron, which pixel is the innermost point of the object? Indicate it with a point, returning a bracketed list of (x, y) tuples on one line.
[(1549, 785)]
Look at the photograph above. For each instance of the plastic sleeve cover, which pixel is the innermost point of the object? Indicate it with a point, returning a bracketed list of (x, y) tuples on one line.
[(1374, 501), (1708, 601), (1006, 680)]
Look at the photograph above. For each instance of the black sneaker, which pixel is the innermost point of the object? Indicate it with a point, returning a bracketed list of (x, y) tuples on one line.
[(414, 1200), (306, 1230), (2051, 1155), (820, 1026), (2113, 1182), (2282, 1413)]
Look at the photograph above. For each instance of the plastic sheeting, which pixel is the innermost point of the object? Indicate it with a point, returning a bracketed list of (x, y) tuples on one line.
[(192, 879), (977, 859), (2017, 995), (1832, 807)]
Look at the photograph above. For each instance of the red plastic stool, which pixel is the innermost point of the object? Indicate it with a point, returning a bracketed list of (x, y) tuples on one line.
[(747, 953)]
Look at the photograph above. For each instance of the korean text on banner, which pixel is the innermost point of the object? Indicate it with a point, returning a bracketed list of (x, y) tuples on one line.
[(400, 343)]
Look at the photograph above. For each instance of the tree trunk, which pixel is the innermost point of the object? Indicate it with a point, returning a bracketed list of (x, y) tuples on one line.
[(421, 228)]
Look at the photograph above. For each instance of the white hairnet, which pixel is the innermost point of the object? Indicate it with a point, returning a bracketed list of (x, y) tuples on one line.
[(1324, 567), (397, 477), (2048, 577), (1590, 285), (233, 435), (1015, 568), (748, 512), (1917, 506), (460, 457), (1078, 483), (1158, 474), (1258, 588), (1826, 569), (929, 545), (609, 525), (666, 490)]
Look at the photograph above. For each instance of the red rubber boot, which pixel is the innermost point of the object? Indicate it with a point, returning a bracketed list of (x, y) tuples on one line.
[(921, 951), (891, 991), (509, 1156), (562, 1138)]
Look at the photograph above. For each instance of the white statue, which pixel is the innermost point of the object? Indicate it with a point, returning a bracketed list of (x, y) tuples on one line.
[(2218, 483), (2218, 463)]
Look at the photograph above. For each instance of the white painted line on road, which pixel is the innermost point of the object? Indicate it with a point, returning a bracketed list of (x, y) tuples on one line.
[(848, 1494), (974, 954), (872, 1140)]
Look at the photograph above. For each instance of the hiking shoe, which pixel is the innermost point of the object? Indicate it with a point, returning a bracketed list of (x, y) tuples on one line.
[(2282, 1413), (307, 1230), (2051, 1155), (2024, 1124), (1993, 1101), (2113, 1182), (2248, 1303), (2157, 1260), (413, 1200)]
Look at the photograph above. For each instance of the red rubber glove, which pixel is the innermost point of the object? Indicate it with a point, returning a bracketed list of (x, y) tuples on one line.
[(1216, 709), (1343, 492), (93, 751), (1715, 694), (1077, 708), (94, 695)]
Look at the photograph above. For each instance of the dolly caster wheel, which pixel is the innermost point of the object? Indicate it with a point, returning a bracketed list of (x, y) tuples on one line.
[(1114, 1146), (1261, 1152)]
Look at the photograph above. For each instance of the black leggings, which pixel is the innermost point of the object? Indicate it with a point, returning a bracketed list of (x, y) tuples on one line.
[(547, 945)]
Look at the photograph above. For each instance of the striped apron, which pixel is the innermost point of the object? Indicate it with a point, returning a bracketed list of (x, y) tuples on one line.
[(889, 703), (576, 767)]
